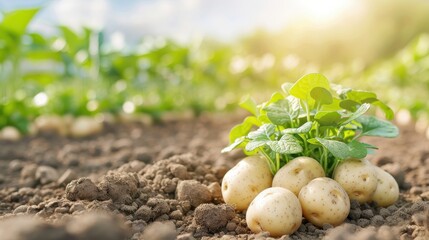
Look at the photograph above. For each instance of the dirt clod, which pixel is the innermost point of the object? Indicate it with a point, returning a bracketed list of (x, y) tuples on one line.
[(194, 192), (82, 189), (121, 187), (213, 217)]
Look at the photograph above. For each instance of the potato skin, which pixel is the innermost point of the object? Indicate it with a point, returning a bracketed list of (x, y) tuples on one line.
[(387, 191), (323, 200), (275, 210), (358, 178), (298, 173), (242, 183)]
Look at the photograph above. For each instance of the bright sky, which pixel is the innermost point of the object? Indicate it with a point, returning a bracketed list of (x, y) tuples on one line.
[(180, 19)]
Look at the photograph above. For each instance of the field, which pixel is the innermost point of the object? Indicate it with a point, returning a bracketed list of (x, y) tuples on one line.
[(100, 142)]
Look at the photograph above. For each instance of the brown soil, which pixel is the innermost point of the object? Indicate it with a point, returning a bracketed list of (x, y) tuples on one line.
[(163, 182)]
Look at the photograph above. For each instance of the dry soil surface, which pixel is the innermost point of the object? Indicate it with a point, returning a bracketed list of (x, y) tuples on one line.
[(163, 182)]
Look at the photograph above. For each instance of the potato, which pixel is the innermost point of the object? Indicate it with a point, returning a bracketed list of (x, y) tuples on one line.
[(85, 126), (297, 173), (51, 124), (358, 178), (323, 200), (10, 133), (242, 183), (275, 210), (387, 191)]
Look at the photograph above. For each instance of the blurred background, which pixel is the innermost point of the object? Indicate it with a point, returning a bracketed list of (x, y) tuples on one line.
[(84, 58)]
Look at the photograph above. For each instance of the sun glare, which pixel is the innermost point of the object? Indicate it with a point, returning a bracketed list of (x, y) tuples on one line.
[(327, 10)]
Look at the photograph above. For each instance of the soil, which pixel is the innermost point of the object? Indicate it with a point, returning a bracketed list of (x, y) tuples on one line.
[(162, 181)]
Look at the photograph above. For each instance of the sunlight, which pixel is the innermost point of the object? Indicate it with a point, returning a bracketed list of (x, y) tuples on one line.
[(326, 11), (41, 99)]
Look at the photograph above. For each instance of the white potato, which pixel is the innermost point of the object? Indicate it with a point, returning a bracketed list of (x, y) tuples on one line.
[(387, 191), (51, 124), (323, 200), (275, 210), (297, 173), (85, 126), (242, 183), (10, 133), (358, 178)]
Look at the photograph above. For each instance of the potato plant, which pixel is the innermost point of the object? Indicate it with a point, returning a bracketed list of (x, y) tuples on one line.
[(307, 135), (311, 118)]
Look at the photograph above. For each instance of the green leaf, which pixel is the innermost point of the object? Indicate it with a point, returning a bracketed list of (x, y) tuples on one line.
[(321, 95), (17, 21), (328, 118), (274, 98), (263, 133), (369, 97), (341, 150), (313, 141), (234, 145), (243, 128), (359, 112), (372, 126), (287, 144), (305, 128), (252, 145), (349, 105), (302, 88), (281, 112), (357, 149), (388, 112), (249, 104), (260, 137), (334, 106), (286, 87)]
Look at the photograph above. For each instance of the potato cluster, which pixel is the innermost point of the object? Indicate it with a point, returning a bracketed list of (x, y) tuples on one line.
[(276, 204)]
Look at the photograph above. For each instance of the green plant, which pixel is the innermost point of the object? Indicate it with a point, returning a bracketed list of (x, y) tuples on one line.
[(311, 118)]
